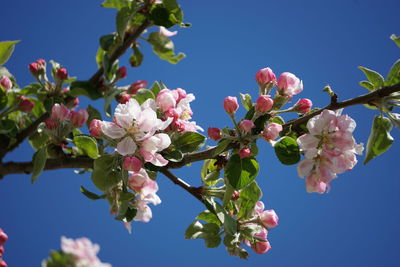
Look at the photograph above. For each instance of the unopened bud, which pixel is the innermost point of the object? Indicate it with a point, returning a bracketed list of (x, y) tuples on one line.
[(269, 218), (132, 164), (25, 105), (230, 104), (235, 195), (264, 103), (78, 118), (246, 125), (214, 133), (303, 105), (50, 124), (121, 72), (136, 86), (3, 237), (272, 131), (6, 83), (60, 112), (3, 263), (123, 97), (244, 152), (265, 76), (289, 84), (95, 128), (261, 247), (34, 68), (62, 74), (172, 113), (1, 251)]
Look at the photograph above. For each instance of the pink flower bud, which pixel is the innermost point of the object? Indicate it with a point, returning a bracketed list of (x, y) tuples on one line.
[(272, 131), (6, 83), (78, 118), (269, 218), (289, 84), (25, 105), (181, 94), (136, 86), (246, 125), (172, 113), (60, 112), (244, 152), (123, 97), (303, 105), (121, 72), (265, 76), (3, 263), (166, 99), (3, 237), (34, 68), (214, 133), (41, 62), (95, 128), (261, 247), (178, 126), (1, 251), (50, 124), (62, 74), (235, 195), (264, 103), (132, 164), (230, 104)]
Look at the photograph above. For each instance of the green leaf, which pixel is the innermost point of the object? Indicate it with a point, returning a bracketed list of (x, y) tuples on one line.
[(155, 88), (393, 76), (136, 58), (6, 50), (396, 39), (374, 77), (118, 4), (59, 259), (94, 114), (161, 17), (174, 156), (189, 142), (38, 140), (90, 195), (380, 139), (124, 16), (277, 119), (246, 101), (84, 88), (193, 230), (229, 223), (105, 173), (164, 48), (3, 99), (99, 57), (212, 241), (287, 150), (39, 161), (142, 95), (248, 199), (368, 85), (88, 145), (31, 89), (241, 172), (108, 41), (212, 178), (222, 145), (209, 217)]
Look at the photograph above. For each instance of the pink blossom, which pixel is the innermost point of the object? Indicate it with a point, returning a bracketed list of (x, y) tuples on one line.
[(25, 104), (95, 128), (132, 164), (6, 83), (84, 251), (246, 125), (60, 112), (269, 218), (264, 103), (164, 31), (289, 84), (137, 180), (154, 144), (143, 213), (136, 86), (265, 76), (214, 133), (244, 152), (271, 131), (166, 99), (230, 104), (261, 247), (259, 207), (303, 105), (62, 74), (78, 118)]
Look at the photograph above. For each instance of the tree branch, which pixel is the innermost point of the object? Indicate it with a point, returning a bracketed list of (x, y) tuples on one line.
[(194, 191)]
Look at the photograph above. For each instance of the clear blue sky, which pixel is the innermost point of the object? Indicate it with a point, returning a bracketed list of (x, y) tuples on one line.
[(356, 224)]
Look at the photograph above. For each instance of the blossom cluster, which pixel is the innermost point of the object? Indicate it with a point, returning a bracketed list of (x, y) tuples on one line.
[(3, 239), (329, 149), (84, 252)]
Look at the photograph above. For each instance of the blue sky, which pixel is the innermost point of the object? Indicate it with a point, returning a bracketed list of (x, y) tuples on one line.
[(322, 42)]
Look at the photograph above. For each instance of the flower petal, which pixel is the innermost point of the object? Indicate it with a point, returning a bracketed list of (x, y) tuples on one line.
[(112, 130), (126, 146)]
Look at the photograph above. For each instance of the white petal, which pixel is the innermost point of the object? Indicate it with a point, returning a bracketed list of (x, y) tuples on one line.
[(149, 103), (166, 32), (126, 146), (164, 141), (126, 113), (112, 130), (158, 160)]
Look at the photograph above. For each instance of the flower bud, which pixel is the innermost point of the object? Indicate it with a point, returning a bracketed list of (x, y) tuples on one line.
[(73, 103), (181, 94), (41, 63), (246, 125), (6, 83), (289, 84), (269, 218), (265, 76), (1, 251), (172, 113), (25, 105), (272, 131), (136, 86), (303, 105), (50, 124), (35, 69), (235, 195), (166, 99), (261, 247), (123, 97), (244, 152), (230, 104), (214, 133), (60, 112), (78, 118), (3, 237), (95, 128), (62, 74), (121, 72), (3, 263), (132, 164), (264, 103)]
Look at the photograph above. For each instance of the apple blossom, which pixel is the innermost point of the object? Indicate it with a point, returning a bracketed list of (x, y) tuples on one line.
[(269, 218), (154, 144), (231, 104), (246, 125), (164, 31), (214, 133), (132, 164), (271, 131), (6, 83), (264, 103), (289, 84), (60, 112), (303, 105), (265, 76)]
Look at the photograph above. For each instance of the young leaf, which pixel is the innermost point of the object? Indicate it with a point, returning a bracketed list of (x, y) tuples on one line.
[(143, 94), (88, 145), (396, 39), (287, 150), (90, 195), (241, 172), (118, 4), (39, 161), (380, 139), (6, 50), (221, 147), (155, 88), (374, 77), (393, 76), (136, 58), (84, 88), (189, 142), (124, 16), (209, 217), (368, 85), (105, 175), (246, 101), (164, 48), (248, 199)]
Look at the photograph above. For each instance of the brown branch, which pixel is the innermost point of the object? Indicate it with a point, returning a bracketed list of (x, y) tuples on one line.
[(21, 136), (194, 191)]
